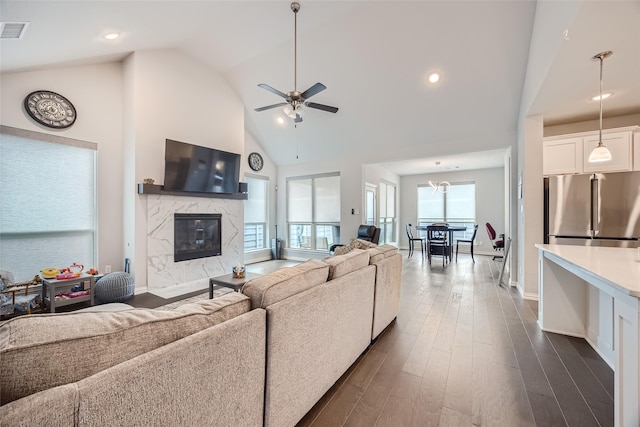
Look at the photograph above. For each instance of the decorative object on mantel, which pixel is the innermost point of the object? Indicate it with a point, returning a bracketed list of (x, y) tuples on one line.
[(50, 109), (148, 181), (255, 161), (600, 153), (295, 101), (238, 271), (442, 186)]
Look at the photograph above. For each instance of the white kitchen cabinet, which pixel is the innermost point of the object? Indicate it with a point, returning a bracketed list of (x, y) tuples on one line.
[(618, 143), (562, 156), (636, 150)]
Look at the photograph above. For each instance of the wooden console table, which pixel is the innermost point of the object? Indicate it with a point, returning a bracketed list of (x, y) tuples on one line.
[(592, 293)]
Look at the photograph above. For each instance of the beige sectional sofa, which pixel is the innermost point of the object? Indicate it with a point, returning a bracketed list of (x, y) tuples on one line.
[(263, 357), (200, 364)]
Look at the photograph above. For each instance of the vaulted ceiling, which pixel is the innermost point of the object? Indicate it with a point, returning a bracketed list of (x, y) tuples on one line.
[(373, 56)]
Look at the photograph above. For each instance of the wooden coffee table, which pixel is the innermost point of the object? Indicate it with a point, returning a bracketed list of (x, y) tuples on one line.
[(228, 281)]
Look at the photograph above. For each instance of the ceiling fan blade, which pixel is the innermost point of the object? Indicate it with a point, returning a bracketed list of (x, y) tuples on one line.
[(316, 88), (268, 107), (322, 107), (298, 118), (272, 90)]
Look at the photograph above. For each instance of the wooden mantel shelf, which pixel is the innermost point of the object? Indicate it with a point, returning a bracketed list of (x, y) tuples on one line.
[(159, 190)]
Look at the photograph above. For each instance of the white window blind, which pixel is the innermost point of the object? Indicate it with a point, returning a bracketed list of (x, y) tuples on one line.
[(327, 199), (256, 213), (313, 211), (456, 207), (299, 192), (47, 203)]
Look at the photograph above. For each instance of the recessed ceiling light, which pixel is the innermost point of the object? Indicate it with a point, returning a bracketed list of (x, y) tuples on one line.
[(111, 36), (604, 96), (434, 77), (280, 120)]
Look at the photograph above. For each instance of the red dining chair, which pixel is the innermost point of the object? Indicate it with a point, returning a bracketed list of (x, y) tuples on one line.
[(498, 245)]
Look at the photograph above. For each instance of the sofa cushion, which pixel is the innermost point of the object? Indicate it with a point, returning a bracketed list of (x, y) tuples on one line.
[(375, 255), (340, 265), (43, 351), (388, 250), (285, 282)]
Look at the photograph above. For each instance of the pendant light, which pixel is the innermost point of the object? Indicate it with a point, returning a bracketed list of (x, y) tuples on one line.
[(600, 153)]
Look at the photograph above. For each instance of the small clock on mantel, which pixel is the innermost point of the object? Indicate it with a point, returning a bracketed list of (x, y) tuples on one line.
[(50, 109), (255, 161)]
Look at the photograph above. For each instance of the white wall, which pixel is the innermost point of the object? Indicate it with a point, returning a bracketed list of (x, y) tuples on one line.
[(530, 207), (490, 201), (269, 170), (128, 109), (96, 91), (175, 97)]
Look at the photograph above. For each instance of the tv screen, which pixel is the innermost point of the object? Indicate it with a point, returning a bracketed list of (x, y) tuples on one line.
[(189, 167)]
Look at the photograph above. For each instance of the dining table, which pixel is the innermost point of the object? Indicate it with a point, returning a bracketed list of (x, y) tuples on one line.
[(449, 228)]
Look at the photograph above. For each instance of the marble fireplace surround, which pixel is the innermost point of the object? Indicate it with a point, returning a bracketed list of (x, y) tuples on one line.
[(167, 278)]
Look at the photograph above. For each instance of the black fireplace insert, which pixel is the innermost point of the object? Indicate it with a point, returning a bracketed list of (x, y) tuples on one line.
[(197, 236)]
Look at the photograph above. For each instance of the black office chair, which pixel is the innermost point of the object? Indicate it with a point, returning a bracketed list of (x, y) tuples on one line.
[(470, 241), (438, 243), (414, 239)]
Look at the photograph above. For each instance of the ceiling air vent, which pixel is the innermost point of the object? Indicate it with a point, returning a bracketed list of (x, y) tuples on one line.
[(12, 30)]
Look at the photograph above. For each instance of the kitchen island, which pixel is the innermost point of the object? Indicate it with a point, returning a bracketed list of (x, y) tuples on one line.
[(593, 293)]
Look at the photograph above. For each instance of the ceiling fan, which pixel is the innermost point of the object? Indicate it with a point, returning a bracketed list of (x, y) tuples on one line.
[(295, 100)]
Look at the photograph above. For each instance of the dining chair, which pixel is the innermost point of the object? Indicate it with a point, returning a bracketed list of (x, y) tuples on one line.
[(470, 241), (498, 244), (438, 243), (412, 241)]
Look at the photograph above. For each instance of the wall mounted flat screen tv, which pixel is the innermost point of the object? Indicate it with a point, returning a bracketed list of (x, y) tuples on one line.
[(189, 167)]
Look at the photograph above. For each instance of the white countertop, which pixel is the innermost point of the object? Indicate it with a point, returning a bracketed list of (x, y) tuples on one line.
[(618, 266)]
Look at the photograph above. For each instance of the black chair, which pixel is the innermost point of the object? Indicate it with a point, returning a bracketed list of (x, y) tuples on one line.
[(470, 241), (438, 243), (498, 245), (369, 233), (414, 239)]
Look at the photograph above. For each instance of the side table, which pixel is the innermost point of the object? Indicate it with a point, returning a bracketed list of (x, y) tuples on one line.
[(51, 288), (228, 281)]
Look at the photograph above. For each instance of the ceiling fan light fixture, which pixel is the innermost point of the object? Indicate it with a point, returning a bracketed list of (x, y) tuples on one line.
[(293, 112), (434, 78), (296, 100)]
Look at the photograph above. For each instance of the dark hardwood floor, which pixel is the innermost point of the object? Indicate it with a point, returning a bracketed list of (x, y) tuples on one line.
[(464, 351)]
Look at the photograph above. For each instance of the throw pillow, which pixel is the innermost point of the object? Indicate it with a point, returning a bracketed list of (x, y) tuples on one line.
[(341, 250)]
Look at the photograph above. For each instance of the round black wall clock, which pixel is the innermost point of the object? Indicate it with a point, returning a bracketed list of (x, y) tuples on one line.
[(255, 161), (50, 109)]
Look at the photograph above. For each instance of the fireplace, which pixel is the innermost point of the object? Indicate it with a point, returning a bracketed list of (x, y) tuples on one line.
[(196, 236)]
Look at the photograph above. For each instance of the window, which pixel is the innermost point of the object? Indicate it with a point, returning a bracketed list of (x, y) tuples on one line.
[(47, 202), (387, 213), (256, 213), (456, 207), (313, 211)]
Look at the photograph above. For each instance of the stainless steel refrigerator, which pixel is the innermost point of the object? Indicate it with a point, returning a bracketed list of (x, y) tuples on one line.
[(600, 209)]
